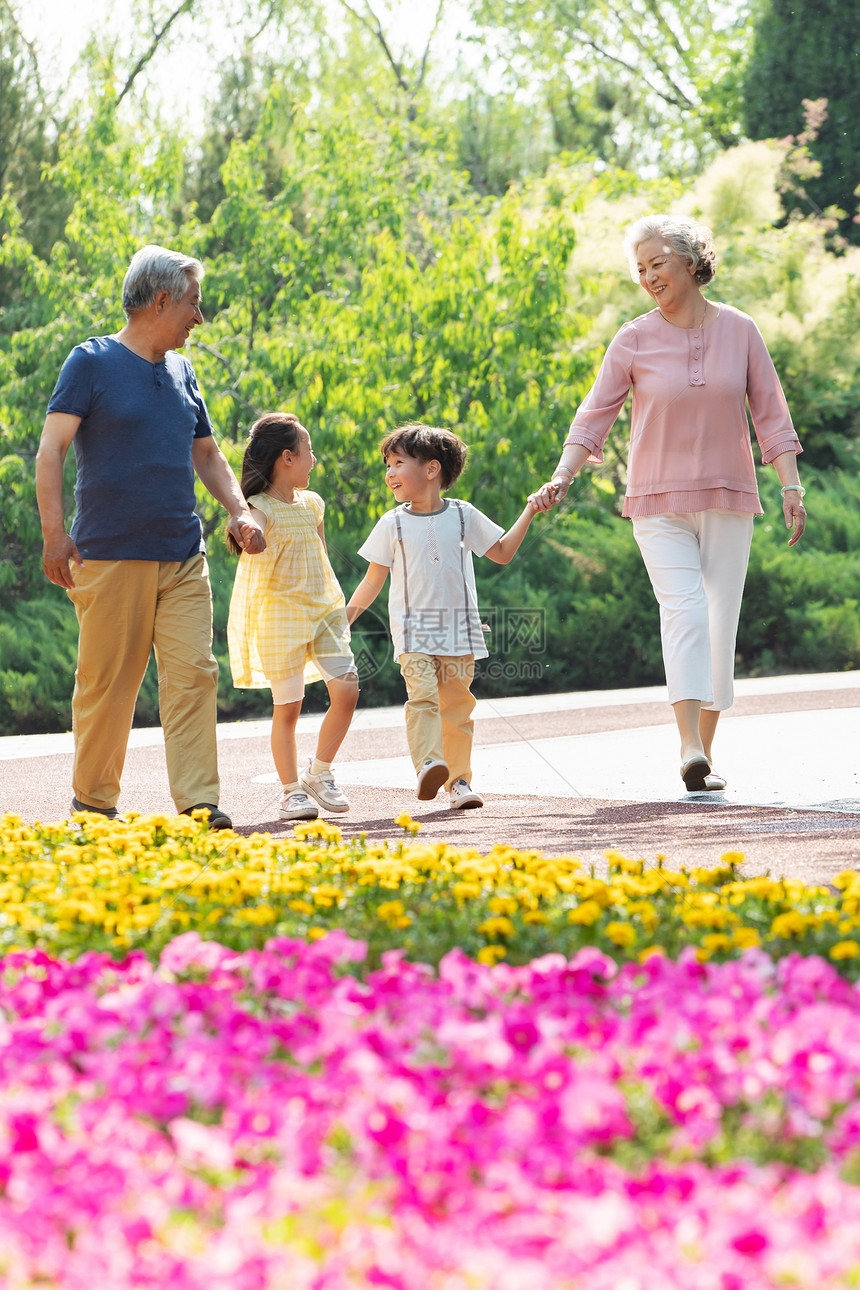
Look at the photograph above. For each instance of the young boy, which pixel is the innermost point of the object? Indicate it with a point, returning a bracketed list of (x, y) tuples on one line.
[(426, 544)]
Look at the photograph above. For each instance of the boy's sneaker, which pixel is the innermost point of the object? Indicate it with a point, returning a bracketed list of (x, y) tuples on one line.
[(431, 777), (297, 806), (323, 789), (462, 797)]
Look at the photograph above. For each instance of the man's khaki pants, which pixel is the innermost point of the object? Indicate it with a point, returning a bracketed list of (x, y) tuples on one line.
[(439, 710), (125, 608)]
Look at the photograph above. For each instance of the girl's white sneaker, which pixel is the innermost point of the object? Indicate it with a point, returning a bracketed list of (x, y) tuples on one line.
[(297, 806), (462, 797), (324, 790)]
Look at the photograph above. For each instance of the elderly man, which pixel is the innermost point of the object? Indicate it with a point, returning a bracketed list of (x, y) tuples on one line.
[(134, 565)]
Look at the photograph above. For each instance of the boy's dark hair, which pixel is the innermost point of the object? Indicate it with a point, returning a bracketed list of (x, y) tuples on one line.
[(273, 434), (428, 443)]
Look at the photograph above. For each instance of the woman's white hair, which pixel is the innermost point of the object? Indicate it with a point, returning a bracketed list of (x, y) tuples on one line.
[(154, 269), (693, 242)]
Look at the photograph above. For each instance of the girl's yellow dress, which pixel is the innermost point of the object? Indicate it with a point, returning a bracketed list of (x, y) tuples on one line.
[(287, 605)]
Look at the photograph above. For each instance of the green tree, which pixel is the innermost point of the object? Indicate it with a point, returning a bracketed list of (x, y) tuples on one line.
[(654, 84), (807, 50), (31, 124)]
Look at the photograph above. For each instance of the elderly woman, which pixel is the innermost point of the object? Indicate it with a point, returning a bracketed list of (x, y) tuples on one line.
[(692, 365)]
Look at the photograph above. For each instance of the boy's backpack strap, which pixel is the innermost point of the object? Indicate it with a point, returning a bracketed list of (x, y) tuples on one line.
[(459, 506), (406, 624)]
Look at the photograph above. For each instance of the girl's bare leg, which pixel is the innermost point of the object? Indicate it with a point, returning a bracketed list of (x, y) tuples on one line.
[(284, 719), (343, 696)]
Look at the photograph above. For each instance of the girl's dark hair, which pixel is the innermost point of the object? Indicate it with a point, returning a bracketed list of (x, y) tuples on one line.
[(273, 434), (428, 443)]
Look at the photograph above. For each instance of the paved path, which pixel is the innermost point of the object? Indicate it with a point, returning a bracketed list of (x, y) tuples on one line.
[(564, 774)]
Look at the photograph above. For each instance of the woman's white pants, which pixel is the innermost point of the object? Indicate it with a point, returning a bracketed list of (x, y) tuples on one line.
[(697, 564)]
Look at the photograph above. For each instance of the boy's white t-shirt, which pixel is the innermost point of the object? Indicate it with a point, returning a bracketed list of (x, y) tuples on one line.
[(432, 601)]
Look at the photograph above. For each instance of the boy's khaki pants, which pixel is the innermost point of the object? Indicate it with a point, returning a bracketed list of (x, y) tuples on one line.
[(439, 710), (125, 608)]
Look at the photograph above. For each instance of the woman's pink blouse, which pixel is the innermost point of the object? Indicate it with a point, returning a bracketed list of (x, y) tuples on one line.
[(690, 446)]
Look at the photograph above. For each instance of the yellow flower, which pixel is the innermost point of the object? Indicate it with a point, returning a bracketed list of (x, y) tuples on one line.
[(423, 855), (586, 914), (619, 863), (406, 822), (67, 855), (703, 877), (621, 934), (316, 933), (390, 909), (503, 905), (646, 913), (256, 915), (535, 916), (649, 952), (326, 896), (300, 906), (466, 890), (714, 942), (599, 892), (705, 917), (317, 829), (844, 950), (746, 938), (497, 927), (144, 916), (790, 924), (490, 954)]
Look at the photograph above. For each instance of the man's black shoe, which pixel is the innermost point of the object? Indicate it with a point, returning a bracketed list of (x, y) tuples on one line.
[(218, 819), (109, 811)]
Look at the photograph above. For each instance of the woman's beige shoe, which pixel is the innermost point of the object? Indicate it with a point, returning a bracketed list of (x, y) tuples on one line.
[(694, 773)]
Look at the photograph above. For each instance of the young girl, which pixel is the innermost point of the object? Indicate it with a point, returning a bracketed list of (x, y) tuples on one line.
[(287, 621)]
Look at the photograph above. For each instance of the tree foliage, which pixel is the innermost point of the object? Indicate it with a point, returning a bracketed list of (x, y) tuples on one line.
[(803, 51), (370, 261), (639, 82)]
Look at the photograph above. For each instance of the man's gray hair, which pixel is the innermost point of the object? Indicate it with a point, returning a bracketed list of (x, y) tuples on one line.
[(154, 269), (692, 241)]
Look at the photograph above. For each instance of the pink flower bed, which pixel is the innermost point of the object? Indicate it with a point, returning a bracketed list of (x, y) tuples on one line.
[(229, 1121)]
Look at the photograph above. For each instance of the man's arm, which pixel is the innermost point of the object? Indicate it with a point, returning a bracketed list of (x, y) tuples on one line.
[(503, 551), (58, 549), (366, 591), (213, 470)]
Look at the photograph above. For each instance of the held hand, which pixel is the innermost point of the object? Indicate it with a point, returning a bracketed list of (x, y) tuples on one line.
[(553, 492), (795, 515), (247, 533), (57, 554), (542, 500)]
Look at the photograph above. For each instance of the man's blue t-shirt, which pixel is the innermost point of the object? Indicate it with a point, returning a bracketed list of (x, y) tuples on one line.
[(134, 491)]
